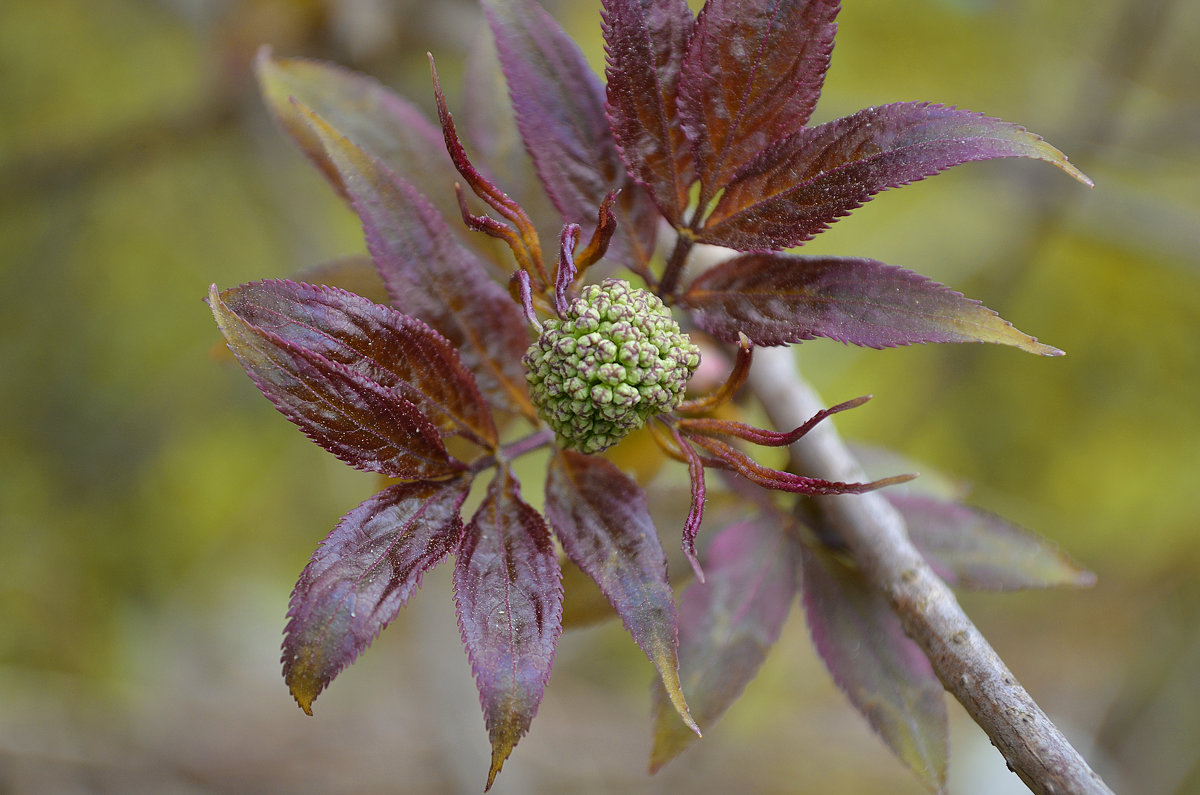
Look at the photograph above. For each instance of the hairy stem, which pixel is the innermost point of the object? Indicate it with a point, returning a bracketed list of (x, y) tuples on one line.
[(874, 532)]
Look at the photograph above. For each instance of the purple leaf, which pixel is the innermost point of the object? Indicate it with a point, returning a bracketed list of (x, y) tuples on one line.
[(559, 104), (361, 421), (776, 299), (752, 75), (885, 675), (509, 595), (645, 44), (362, 574), (726, 626), (798, 186), (430, 275), (374, 118), (978, 550), (395, 350), (601, 518)]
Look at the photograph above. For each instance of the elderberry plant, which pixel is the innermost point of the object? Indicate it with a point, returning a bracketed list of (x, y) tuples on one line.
[(484, 353)]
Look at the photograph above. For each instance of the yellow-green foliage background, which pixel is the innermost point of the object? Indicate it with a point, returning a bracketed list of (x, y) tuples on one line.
[(154, 510)]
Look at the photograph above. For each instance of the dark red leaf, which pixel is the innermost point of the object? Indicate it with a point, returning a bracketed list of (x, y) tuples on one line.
[(885, 675), (727, 625), (798, 186), (394, 350), (752, 75), (645, 43), (559, 104), (362, 574), (974, 549), (430, 275), (776, 299), (366, 424), (509, 595), (601, 518)]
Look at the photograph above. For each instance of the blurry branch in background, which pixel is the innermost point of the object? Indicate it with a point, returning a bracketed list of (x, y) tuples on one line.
[(876, 536)]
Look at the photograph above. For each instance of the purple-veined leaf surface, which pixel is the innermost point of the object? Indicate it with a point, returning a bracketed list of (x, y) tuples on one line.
[(885, 675), (364, 423), (362, 574), (508, 589), (798, 186), (973, 549), (395, 350), (601, 518), (752, 76), (645, 41), (373, 117), (429, 274), (776, 299), (559, 105), (727, 625)]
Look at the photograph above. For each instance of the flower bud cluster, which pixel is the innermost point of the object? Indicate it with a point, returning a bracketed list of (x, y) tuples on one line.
[(613, 361)]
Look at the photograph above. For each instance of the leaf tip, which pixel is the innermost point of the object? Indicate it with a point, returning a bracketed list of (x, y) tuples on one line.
[(1056, 156), (304, 691), (669, 674), (500, 753), (1031, 345), (1070, 168)]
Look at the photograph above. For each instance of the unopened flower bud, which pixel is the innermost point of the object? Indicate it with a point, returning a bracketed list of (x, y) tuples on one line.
[(616, 359)]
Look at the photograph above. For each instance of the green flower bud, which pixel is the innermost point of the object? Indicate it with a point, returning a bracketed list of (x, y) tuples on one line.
[(616, 359)]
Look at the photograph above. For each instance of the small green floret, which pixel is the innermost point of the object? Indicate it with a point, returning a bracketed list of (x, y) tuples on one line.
[(616, 359)]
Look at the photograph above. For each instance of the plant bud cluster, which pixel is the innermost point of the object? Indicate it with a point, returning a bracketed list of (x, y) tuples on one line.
[(613, 361)]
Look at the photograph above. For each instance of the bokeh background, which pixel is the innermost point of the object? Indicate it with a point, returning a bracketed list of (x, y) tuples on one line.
[(155, 511)]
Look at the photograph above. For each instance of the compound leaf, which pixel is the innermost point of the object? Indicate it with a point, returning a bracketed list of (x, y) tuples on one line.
[(752, 75), (559, 105), (429, 274), (645, 41), (507, 586), (370, 115), (884, 674), (362, 574), (602, 520), (798, 186), (395, 350), (776, 299), (727, 624), (974, 549), (365, 423)]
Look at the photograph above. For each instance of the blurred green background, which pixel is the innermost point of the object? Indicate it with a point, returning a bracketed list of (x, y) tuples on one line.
[(155, 511)]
